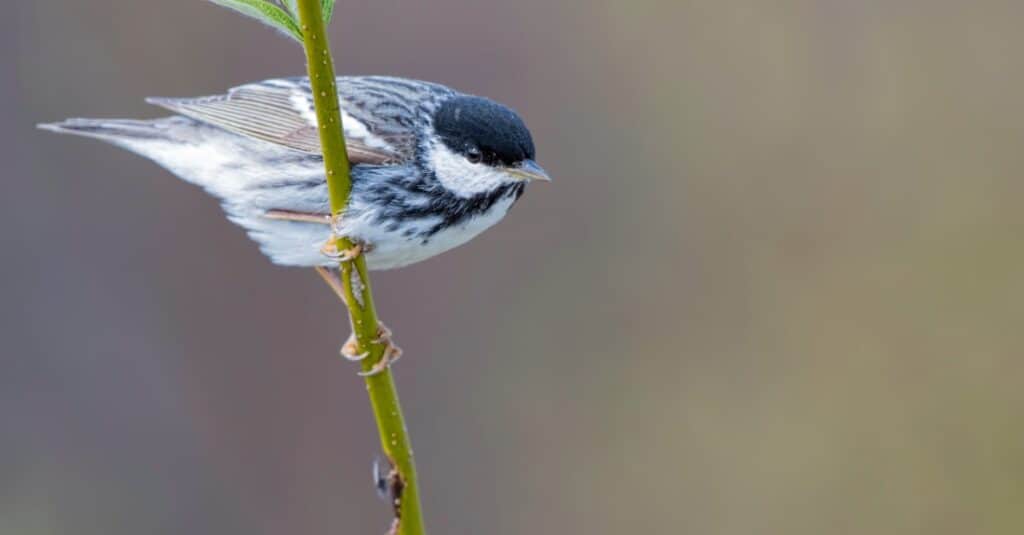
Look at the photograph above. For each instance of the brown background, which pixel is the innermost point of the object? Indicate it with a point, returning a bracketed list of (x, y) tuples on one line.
[(775, 287)]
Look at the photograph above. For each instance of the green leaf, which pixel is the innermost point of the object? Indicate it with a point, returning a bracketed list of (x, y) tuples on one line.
[(328, 9), (292, 7), (267, 13)]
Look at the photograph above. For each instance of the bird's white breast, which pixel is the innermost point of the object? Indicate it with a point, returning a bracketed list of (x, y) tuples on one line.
[(392, 249)]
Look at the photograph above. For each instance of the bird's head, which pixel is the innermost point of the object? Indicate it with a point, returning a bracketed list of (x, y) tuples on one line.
[(481, 146)]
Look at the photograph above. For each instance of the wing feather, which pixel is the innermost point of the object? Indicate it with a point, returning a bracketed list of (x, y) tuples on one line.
[(281, 112)]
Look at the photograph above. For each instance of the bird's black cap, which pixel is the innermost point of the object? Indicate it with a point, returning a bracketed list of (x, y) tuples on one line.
[(476, 126)]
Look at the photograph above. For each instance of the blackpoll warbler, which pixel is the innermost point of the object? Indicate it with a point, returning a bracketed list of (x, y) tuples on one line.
[(432, 167)]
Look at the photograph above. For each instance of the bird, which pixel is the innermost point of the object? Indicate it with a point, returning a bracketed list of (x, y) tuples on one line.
[(432, 167)]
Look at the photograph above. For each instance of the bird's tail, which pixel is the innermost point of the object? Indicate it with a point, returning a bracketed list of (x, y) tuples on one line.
[(248, 175), (114, 130), (166, 141)]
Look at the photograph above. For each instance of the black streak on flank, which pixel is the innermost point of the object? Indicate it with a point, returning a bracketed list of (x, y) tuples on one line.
[(456, 210)]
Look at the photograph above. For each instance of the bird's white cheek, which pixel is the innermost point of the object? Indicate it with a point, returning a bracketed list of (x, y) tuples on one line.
[(461, 176)]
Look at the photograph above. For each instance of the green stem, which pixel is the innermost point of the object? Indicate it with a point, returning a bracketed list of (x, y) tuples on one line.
[(387, 411)]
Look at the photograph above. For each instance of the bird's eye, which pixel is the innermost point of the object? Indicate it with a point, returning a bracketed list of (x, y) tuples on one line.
[(474, 155)]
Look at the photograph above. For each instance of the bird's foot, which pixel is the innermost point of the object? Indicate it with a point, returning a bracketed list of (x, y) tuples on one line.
[(391, 352), (351, 351), (299, 217), (330, 250), (336, 222), (333, 279), (391, 355), (383, 334)]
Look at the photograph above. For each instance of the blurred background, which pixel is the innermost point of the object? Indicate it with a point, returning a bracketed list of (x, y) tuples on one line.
[(775, 286)]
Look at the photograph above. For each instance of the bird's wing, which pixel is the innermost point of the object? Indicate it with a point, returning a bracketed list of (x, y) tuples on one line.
[(392, 110), (281, 111)]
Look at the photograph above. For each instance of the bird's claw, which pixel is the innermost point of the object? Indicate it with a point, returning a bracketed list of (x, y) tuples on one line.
[(391, 355), (383, 334), (350, 351), (330, 250), (391, 352)]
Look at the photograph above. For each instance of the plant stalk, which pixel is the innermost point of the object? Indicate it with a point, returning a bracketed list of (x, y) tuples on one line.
[(387, 411)]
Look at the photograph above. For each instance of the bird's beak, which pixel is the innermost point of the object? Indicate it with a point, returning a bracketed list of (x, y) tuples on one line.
[(529, 170)]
